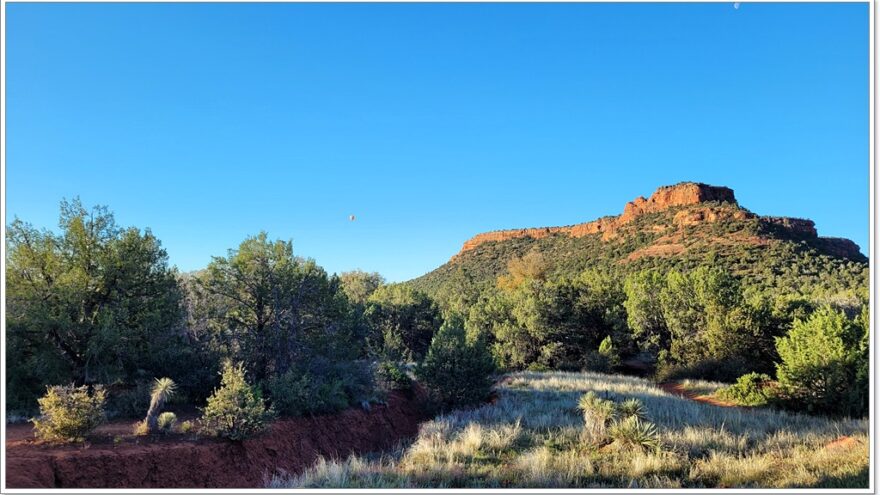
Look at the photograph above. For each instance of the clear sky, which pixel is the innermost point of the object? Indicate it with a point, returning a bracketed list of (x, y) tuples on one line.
[(428, 122)]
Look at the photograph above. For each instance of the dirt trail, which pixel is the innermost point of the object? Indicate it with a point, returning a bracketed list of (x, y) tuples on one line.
[(676, 388), (181, 461)]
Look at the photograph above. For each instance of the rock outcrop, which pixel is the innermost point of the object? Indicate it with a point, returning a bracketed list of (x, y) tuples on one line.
[(699, 203), (683, 194)]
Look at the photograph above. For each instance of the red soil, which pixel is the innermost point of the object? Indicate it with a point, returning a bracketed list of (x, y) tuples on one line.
[(842, 443), (181, 461), (677, 389)]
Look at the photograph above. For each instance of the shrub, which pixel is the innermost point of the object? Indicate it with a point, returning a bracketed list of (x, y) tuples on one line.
[(140, 429), (185, 427), (321, 387), (457, 371), (391, 375), (821, 359), (609, 352), (128, 401), (68, 413), (234, 411), (403, 321), (749, 390), (166, 421), (634, 432)]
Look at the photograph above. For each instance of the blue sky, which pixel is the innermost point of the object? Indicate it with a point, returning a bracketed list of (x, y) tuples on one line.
[(429, 122)]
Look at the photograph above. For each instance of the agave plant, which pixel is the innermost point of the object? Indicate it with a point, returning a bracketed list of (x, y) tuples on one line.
[(163, 389)]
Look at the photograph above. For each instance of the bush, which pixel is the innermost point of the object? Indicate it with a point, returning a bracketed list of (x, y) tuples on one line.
[(166, 421), (391, 375), (69, 413), (821, 362), (749, 390), (128, 401), (234, 411), (185, 427), (321, 387), (456, 371), (609, 352)]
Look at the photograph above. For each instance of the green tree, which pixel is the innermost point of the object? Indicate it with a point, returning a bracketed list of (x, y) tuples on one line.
[(821, 358), (265, 307), (456, 371), (644, 311), (403, 321), (359, 285), (94, 303)]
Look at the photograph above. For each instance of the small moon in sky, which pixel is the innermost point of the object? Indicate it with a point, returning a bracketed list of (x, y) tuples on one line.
[(736, 5)]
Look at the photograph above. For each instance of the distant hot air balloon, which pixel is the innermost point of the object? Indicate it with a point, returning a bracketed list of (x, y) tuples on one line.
[(351, 218)]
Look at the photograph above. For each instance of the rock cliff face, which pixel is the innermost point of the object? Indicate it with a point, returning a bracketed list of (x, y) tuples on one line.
[(683, 194), (699, 203), (687, 193)]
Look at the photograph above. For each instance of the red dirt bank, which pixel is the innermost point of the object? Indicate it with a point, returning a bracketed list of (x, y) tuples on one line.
[(290, 445)]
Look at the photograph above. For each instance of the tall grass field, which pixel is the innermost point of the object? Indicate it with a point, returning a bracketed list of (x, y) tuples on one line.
[(533, 435)]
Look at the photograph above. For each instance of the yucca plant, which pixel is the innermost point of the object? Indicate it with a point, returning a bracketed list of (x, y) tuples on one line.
[(631, 408), (167, 420), (163, 389), (598, 413), (634, 432)]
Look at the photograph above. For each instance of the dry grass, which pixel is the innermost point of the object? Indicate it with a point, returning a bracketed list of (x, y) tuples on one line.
[(533, 436)]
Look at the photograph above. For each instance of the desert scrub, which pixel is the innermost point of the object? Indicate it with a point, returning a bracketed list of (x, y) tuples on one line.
[(391, 375), (456, 370), (166, 421), (749, 390), (185, 427), (531, 438), (69, 413), (234, 410)]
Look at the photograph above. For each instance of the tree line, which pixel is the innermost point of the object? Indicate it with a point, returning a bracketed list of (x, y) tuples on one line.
[(98, 303)]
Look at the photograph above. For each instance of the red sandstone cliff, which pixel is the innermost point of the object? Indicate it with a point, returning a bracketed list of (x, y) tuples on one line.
[(665, 197), (683, 194)]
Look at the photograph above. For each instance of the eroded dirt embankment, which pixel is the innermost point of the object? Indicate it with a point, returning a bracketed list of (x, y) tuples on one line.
[(290, 445)]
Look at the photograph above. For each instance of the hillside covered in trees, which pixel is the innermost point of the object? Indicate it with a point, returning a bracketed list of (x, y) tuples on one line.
[(678, 227)]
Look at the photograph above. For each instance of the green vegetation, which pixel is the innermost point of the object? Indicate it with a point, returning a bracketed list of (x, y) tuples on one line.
[(403, 321), (166, 421), (96, 303), (744, 300), (533, 437), (456, 371), (163, 389), (823, 362), (750, 389), (68, 413), (235, 410)]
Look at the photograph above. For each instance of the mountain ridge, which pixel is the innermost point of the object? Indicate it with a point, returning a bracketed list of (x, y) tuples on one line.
[(664, 198), (678, 227)]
